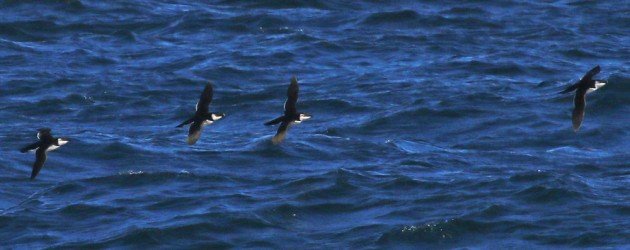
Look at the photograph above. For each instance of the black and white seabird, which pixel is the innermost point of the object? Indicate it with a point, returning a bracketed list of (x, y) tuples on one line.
[(45, 143), (202, 116), (582, 87), (291, 114)]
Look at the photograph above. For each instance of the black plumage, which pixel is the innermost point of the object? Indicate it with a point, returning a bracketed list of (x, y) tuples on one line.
[(581, 88), (45, 143), (291, 115), (202, 115)]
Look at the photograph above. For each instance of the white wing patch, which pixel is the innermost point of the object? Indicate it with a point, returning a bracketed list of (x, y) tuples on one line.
[(216, 117), (52, 147), (206, 123), (197, 106)]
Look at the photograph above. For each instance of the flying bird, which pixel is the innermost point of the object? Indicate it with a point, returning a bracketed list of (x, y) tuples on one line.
[(202, 116), (582, 87), (291, 115), (45, 143)]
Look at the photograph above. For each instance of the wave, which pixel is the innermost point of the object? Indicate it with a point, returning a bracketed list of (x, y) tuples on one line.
[(17, 31), (465, 11), (381, 18), (444, 233), (280, 4), (412, 19), (543, 194), (63, 4)]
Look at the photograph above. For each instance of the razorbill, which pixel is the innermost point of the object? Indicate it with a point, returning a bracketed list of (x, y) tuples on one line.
[(290, 115), (202, 116), (582, 87), (45, 143)]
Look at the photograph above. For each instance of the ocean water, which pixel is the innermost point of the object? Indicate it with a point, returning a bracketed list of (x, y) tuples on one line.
[(437, 124)]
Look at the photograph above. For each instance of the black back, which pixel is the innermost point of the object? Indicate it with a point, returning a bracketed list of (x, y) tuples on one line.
[(45, 137)]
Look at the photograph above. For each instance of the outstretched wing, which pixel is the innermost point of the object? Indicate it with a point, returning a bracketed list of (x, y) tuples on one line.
[(185, 123), (274, 121), (570, 88), (590, 74), (282, 132), (292, 97), (205, 100), (30, 147), (194, 132), (578, 110), (40, 158)]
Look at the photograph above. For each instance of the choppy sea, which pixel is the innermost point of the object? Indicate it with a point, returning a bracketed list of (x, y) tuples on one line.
[(436, 124)]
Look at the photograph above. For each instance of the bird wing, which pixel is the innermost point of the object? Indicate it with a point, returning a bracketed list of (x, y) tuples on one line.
[(205, 100), (40, 158), (570, 88), (185, 122), (274, 121), (292, 97), (282, 132), (591, 73), (30, 147), (578, 110), (194, 132)]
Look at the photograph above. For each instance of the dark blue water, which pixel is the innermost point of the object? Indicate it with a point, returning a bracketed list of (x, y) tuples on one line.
[(436, 124)]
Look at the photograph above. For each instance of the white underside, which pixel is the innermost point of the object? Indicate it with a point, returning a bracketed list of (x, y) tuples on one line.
[(206, 122), (60, 141), (597, 86)]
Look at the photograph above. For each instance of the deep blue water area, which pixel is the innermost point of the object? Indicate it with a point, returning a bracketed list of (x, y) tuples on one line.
[(436, 124)]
